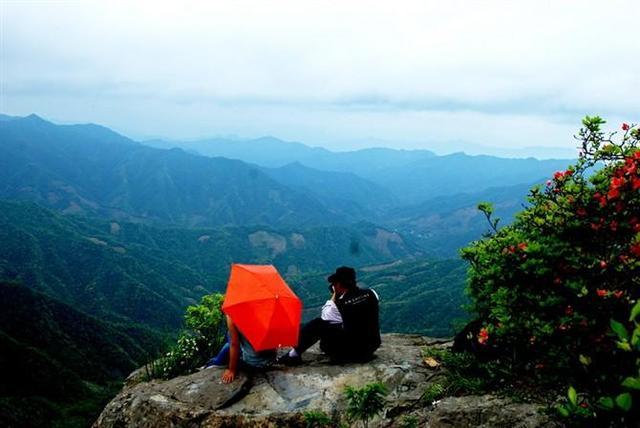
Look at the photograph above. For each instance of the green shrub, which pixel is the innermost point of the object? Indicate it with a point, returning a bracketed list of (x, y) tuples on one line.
[(202, 338), (555, 289), (409, 421), (317, 419), (366, 402), (434, 392)]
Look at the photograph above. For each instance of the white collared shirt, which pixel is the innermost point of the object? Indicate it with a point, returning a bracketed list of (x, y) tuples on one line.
[(331, 313)]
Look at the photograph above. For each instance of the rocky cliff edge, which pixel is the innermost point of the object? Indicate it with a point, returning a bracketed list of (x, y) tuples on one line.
[(282, 396)]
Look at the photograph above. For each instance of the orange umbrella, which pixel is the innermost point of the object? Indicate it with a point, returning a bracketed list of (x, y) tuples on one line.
[(262, 306)]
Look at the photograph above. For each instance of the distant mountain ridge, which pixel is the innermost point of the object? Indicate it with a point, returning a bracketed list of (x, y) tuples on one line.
[(411, 176), (92, 170), (341, 191), (273, 153)]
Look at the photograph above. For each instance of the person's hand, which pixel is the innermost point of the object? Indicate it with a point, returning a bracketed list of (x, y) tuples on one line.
[(333, 295), (228, 376)]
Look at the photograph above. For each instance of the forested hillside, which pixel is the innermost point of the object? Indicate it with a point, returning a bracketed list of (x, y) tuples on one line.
[(148, 274), (111, 241), (57, 362), (87, 169)]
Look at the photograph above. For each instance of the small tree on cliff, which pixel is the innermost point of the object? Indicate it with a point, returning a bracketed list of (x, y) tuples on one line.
[(557, 290)]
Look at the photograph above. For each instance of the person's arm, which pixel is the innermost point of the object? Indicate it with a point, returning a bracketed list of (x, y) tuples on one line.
[(234, 353)]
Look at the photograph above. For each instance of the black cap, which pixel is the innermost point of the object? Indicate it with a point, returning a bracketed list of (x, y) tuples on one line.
[(345, 275)]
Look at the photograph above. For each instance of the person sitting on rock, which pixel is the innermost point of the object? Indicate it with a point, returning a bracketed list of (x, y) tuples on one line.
[(241, 353), (348, 327)]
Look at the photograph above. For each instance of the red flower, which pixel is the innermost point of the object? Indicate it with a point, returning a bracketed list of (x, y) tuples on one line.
[(603, 264), (614, 193), (613, 226), (635, 183), (559, 175), (624, 258), (631, 167), (617, 182), (602, 293), (618, 294), (539, 366), (483, 336), (625, 127), (635, 249), (522, 246), (557, 280), (584, 405), (568, 310), (581, 212)]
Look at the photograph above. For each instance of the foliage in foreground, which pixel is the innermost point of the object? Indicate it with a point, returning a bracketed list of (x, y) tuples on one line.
[(557, 291), (365, 403), (317, 419), (201, 339)]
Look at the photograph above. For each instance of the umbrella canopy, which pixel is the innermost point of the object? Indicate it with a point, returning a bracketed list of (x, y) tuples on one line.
[(262, 306)]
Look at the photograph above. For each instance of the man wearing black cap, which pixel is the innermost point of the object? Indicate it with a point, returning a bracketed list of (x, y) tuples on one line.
[(348, 328)]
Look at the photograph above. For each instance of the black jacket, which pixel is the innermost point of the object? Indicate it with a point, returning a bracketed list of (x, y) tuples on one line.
[(359, 310)]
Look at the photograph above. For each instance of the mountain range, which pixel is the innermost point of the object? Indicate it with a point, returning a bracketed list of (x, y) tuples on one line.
[(411, 176), (104, 241)]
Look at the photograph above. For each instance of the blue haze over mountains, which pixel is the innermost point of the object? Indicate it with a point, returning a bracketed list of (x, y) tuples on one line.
[(91, 170), (105, 240)]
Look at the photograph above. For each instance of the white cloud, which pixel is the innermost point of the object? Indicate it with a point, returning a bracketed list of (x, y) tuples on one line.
[(499, 72)]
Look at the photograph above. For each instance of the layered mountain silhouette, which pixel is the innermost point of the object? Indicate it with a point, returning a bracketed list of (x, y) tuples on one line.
[(410, 176), (92, 170), (104, 241)]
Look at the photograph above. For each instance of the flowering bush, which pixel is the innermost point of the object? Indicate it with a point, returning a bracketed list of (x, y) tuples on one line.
[(557, 290), (202, 338)]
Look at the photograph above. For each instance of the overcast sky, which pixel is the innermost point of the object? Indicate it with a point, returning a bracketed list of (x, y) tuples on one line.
[(405, 74)]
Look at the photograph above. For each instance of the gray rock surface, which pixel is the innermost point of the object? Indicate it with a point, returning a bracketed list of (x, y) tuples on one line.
[(280, 397), (486, 411)]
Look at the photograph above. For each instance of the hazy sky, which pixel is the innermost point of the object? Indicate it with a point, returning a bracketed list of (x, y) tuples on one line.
[(497, 73)]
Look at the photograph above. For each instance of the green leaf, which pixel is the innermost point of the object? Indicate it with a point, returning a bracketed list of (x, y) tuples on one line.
[(619, 329), (635, 311), (486, 207), (635, 337), (632, 382), (585, 360), (564, 412), (623, 401), (573, 396), (606, 402), (624, 345)]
